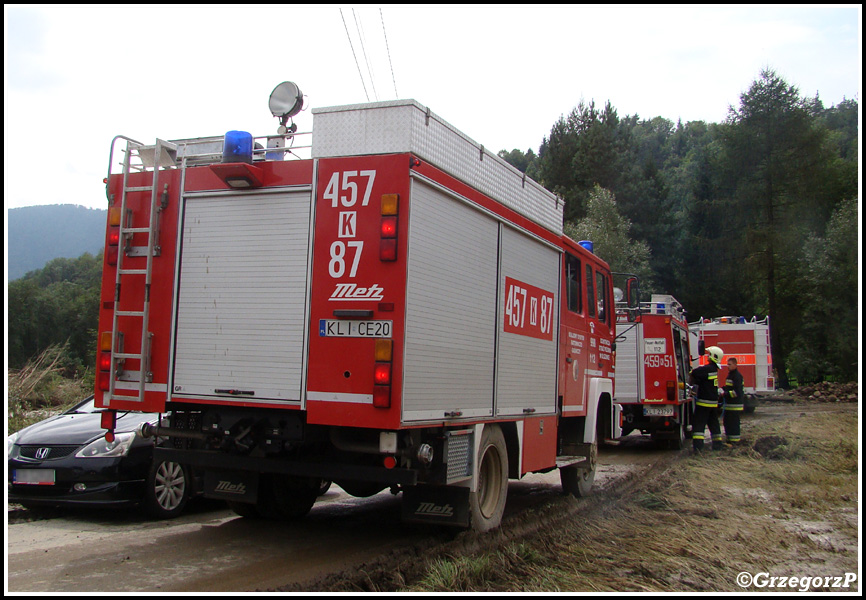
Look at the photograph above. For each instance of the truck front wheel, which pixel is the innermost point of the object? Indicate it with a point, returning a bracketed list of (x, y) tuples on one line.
[(577, 480), (487, 504)]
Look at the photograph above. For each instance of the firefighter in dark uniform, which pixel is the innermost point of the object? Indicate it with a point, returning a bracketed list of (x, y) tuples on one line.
[(706, 378), (734, 398)]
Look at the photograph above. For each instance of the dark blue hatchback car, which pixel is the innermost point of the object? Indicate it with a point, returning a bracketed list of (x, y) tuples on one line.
[(65, 461)]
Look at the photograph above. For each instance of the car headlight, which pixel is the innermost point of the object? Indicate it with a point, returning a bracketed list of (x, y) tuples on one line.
[(99, 448), (10, 444)]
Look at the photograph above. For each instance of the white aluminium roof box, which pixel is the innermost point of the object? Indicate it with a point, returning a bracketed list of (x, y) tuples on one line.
[(406, 126)]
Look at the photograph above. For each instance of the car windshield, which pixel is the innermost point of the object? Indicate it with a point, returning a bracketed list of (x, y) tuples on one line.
[(85, 407)]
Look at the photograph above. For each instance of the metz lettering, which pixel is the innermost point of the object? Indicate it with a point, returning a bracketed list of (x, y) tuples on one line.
[(227, 487), (431, 509), (351, 291)]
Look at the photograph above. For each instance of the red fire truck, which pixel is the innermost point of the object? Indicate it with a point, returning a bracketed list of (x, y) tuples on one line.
[(653, 360), (749, 342), (400, 310)]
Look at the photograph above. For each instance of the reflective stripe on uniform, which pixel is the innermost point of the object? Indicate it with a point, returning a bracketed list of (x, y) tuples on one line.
[(707, 404), (717, 437), (733, 407), (732, 438), (697, 436)]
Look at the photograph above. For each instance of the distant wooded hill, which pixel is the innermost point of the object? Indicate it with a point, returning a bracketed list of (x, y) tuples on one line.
[(38, 234)]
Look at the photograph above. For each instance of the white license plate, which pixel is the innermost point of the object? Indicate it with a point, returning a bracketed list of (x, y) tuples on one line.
[(343, 328), (658, 411), (33, 476)]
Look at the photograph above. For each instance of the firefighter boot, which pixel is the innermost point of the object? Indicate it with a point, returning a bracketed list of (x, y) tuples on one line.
[(697, 443)]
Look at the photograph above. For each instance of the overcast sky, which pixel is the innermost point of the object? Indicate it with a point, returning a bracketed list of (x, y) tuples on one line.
[(77, 76)]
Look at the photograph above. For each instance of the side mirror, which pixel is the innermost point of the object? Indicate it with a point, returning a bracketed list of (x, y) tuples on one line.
[(632, 292), (702, 348)]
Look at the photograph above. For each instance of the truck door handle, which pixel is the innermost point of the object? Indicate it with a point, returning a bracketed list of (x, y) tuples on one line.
[(236, 392)]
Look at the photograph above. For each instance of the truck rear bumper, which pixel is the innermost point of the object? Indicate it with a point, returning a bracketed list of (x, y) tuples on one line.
[(321, 470)]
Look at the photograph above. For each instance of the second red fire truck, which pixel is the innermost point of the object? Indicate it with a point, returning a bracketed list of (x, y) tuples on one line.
[(653, 360), (401, 310)]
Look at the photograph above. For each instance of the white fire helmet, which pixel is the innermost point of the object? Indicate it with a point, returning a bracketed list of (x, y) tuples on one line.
[(716, 355)]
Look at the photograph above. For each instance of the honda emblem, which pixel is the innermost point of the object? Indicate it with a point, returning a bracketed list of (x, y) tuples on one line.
[(42, 453)]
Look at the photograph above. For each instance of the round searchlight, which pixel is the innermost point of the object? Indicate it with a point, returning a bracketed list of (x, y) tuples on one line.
[(286, 101)]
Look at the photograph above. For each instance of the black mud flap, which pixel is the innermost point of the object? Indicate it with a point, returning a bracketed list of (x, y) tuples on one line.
[(446, 505), (238, 486)]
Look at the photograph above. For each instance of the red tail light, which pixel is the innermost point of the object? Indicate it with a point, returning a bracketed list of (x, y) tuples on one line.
[(103, 361), (382, 396), (388, 229), (388, 250), (382, 374), (113, 235), (108, 419), (672, 391), (103, 380), (384, 354)]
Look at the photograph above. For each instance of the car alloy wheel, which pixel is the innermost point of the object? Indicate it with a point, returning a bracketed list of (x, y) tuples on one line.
[(167, 489)]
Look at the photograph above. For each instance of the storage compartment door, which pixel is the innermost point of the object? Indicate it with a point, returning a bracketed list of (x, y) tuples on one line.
[(242, 296), (526, 368), (451, 308), (628, 384)]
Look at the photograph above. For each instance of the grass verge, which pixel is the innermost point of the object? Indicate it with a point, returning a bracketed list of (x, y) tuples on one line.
[(783, 503)]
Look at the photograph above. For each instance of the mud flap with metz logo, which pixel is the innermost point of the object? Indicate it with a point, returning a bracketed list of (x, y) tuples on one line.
[(240, 486), (446, 505)]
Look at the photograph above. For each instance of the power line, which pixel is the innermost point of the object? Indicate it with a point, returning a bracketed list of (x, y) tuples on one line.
[(353, 54), (389, 53), (364, 51)]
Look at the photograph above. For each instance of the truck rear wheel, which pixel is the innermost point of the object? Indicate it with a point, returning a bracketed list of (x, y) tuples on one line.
[(287, 498), (244, 509), (577, 480), (361, 489), (487, 504)]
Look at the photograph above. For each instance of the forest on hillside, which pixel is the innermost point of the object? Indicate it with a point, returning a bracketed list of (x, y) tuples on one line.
[(757, 215), (754, 216)]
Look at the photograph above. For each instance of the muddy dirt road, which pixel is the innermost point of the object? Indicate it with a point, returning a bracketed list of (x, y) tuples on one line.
[(212, 549)]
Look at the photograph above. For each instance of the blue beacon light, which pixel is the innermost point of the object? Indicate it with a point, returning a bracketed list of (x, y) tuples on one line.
[(238, 147)]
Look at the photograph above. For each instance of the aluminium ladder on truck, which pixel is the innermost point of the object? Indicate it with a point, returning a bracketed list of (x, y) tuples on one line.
[(161, 154)]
